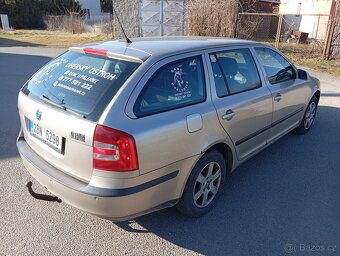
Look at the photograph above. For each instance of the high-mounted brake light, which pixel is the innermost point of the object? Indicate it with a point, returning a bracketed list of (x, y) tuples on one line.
[(95, 51), (114, 150)]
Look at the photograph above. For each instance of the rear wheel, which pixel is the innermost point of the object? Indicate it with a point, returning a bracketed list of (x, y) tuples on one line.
[(308, 118), (204, 185)]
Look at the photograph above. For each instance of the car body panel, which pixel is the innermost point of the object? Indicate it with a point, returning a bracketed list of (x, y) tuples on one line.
[(170, 128), (76, 160), (168, 143), (288, 109), (117, 208), (253, 113)]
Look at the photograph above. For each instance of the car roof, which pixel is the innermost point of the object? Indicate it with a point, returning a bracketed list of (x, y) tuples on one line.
[(143, 48)]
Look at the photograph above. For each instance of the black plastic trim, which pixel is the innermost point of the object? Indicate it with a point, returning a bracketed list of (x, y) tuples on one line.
[(239, 142), (66, 180)]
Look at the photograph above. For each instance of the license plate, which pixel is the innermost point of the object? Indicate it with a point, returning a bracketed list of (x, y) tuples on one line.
[(45, 135)]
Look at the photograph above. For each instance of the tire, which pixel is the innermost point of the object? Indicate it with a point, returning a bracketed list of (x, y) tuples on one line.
[(308, 118), (204, 186)]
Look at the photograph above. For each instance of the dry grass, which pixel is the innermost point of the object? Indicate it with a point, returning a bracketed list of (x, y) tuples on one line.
[(310, 55), (79, 25), (302, 55), (46, 38)]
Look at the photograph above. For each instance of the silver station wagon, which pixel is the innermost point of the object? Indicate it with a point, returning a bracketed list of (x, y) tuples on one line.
[(122, 129)]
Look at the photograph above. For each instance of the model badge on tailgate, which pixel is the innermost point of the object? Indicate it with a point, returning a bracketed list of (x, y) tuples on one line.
[(78, 136)]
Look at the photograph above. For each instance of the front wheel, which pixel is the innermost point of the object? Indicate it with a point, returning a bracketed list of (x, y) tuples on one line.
[(204, 185), (308, 117)]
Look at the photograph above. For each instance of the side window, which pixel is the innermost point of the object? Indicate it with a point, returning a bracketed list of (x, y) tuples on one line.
[(276, 67), (234, 72), (174, 85)]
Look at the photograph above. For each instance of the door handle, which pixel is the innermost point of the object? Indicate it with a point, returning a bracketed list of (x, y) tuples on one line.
[(228, 115), (278, 97)]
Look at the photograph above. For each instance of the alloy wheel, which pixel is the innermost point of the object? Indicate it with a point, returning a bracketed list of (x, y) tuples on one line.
[(207, 184), (310, 115)]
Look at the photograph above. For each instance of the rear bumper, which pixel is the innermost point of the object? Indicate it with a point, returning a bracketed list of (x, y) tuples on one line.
[(117, 204)]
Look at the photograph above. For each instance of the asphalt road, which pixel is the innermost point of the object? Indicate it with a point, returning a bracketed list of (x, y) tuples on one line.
[(284, 201)]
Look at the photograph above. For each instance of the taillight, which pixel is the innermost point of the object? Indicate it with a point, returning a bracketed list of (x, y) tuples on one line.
[(114, 150)]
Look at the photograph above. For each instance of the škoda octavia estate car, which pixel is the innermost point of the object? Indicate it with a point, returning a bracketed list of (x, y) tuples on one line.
[(121, 129)]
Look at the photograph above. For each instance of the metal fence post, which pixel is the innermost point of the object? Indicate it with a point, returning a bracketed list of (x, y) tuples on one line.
[(278, 33), (236, 24), (317, 28), (140, 19), (114, 31), (161, 18)]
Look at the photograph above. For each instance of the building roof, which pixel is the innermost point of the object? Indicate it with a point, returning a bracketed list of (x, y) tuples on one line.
[(271, 1)]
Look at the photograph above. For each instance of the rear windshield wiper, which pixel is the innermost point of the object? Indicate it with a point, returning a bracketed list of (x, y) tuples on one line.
[(53, 103), (59, 105)]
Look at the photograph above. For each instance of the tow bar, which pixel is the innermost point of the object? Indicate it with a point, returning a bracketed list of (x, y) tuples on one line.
[(41, 196)]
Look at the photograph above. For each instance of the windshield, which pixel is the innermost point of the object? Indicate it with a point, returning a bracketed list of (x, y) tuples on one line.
[(79, 82)]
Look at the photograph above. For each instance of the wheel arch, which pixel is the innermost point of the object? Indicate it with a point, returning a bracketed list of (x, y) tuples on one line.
[(227, 153), (220, 147), (317, 94)]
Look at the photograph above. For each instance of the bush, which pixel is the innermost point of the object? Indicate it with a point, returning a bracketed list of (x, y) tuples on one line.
[(211, 17), (71, 23), (77, 24), (23, 14)]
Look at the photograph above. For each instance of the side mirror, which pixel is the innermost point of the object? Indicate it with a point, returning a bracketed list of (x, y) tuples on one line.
[(302, 74)]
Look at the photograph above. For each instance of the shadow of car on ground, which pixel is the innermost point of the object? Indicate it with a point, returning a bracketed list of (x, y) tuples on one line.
[(284, 197)]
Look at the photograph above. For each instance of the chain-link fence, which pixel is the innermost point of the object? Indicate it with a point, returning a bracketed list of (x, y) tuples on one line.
[(300, 34), (303, 35), (256, 26)]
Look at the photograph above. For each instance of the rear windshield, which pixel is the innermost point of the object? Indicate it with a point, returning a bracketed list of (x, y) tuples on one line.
[(82, 83)]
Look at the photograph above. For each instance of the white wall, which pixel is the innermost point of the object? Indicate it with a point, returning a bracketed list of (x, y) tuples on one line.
[(315, 26), (307, 6), (93, 6)]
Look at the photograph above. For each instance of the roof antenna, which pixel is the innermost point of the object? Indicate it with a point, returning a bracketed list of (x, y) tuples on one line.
[(126, 38)]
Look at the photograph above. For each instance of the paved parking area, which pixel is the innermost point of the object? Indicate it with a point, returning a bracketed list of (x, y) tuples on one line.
[(284, 201)]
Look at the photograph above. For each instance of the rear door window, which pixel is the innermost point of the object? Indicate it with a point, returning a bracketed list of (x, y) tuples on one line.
[(177, 84), (82, 83)]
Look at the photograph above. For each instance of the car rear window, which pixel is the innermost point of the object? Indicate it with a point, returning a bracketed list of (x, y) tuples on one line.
[(82, 83)]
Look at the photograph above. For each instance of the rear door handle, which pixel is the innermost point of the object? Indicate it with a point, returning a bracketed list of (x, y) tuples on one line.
[(278, 97), (228, 115)]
